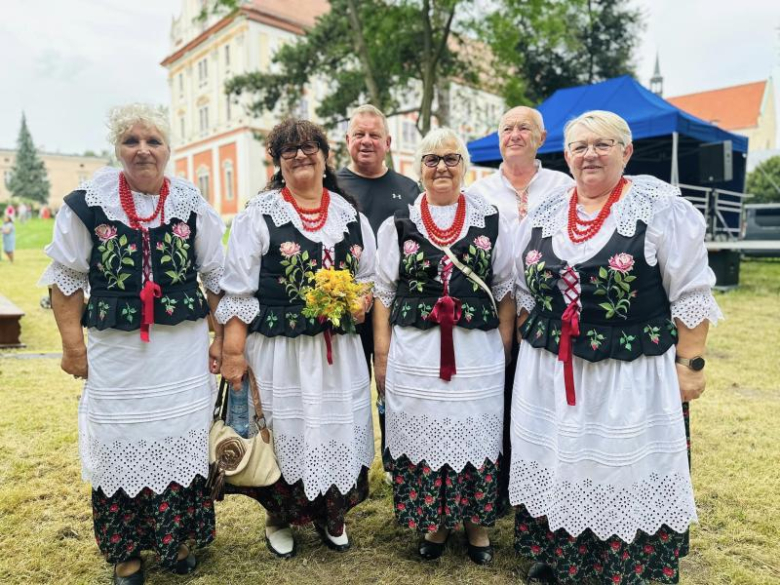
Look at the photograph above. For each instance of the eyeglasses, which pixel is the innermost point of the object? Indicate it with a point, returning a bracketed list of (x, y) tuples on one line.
[(432, 160), (600, 147), (290, 151)]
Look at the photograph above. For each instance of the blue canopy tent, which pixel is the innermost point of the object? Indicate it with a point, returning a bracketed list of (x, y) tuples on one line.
[(666, 139)]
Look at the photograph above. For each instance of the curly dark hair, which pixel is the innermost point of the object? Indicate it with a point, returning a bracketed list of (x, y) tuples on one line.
[(296, 131)]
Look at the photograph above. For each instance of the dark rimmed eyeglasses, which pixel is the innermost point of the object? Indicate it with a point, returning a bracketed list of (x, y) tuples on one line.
[(290, 151), (450, 160)]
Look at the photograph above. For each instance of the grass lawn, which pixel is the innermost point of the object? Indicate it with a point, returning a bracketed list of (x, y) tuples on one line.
[(45, 514)]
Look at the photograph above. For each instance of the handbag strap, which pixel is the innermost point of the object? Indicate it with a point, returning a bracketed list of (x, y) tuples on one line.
[(470, 275), (220, 410), (262, 429)]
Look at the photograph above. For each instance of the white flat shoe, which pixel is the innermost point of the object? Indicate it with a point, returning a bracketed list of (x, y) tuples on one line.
[(337, 543), (280, 541)]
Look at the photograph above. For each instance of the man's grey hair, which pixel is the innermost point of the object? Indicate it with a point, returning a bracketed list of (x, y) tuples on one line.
[(368, 110)]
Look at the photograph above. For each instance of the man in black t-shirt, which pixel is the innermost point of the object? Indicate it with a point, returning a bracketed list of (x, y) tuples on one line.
[(379, 191)]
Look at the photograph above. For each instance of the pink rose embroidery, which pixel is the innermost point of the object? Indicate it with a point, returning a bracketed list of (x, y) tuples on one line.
[(132, 247), (105, 232), (356, 251), (622, 262), (410, 247), (181, 230), (160, 246), (532, 257), (290, 249), (483, 243)]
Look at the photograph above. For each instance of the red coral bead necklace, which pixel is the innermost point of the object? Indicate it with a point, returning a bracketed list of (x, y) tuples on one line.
[(582, 230), (312, 218), (128, 204), (443, 237)]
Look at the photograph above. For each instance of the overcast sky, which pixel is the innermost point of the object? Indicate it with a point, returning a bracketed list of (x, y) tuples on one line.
[(67, 62)]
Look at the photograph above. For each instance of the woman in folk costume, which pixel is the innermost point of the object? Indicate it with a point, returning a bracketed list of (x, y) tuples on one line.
[(137, 241), (441, 339), (313, 382), (615, 292)]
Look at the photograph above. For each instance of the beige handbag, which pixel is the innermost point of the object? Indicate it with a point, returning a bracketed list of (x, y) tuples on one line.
[(235, 460)]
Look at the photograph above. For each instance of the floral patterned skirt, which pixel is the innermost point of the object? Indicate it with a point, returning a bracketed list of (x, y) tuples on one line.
[(649, 557), (289, 502), (426, 500), (125, 526)]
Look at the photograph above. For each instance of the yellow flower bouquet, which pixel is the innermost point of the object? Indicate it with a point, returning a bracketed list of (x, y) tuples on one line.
[(335, 298)]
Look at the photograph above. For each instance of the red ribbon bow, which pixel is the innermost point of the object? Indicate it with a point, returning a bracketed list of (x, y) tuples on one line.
[(446, 312), (570, 327), (150, 291), (328, 340)]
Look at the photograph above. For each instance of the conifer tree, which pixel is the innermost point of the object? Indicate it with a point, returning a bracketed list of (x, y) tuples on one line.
[(28, 179)]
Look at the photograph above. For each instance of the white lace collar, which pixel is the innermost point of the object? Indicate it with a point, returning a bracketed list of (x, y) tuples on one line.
[(645, 197), (477, 208), (340, 213), (103, 191)]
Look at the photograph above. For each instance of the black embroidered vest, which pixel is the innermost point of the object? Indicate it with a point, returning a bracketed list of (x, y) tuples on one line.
[(115, 272), (283, 278), (419, 284), (625, 310)]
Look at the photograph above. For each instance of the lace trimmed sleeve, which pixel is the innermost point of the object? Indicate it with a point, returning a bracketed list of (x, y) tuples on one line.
[(69, 250), (503, 265), (248, 243), (524, 300), (208, 247), (367, 256), (388, 258), (675, 239)]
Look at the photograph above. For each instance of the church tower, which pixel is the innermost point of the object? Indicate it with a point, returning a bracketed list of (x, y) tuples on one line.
[(657, 80)]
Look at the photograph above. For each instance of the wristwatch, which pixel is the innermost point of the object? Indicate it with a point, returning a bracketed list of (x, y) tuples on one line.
[(695, 363)]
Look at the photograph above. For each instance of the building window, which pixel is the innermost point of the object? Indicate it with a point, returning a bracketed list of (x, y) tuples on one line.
[(203, 72), (302, 111), (227, 57), (409, 134), (228, 109), (181, 84), (182, 128), (204, 119), (7, 177), (228, 166), (203, 182)]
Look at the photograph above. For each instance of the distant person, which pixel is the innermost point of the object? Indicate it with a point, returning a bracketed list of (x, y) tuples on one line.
[(138, 241), (23, 213), (520, 182), (379, 191), (9, 237), (615, 300), (44, 213), (10, 211)]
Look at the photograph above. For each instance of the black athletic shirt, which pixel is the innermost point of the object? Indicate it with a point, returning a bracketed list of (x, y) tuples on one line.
[(379, 198)]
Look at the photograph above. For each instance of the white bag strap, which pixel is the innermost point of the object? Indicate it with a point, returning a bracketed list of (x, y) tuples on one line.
[(470, 275)]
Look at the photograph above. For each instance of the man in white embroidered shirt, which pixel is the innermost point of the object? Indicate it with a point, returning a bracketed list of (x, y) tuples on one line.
[(520, 183)]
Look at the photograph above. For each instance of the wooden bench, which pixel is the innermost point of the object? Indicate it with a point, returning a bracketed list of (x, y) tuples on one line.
[(10, 326)]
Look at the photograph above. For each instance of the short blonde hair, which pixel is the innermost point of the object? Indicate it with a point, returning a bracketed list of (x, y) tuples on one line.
[(121, 118), (435, 139), (368, 110), (606, 124)]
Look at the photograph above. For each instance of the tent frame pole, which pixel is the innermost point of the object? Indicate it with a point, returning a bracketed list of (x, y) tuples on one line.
[(675, 174)]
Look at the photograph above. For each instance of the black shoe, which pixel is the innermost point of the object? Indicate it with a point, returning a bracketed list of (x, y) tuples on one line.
[(430, 551), (482, 555), (185, 565), (136, 578), (541, 574), (323, 532)]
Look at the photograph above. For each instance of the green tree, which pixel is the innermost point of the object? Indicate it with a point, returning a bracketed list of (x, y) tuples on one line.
[(28, 175), (545, 45), (764, 182)]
